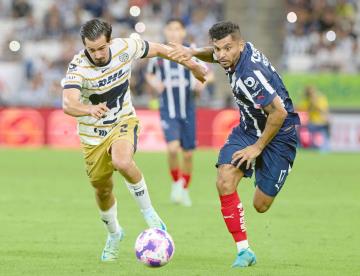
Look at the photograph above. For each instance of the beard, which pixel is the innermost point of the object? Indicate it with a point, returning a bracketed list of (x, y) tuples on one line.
[(100, 62)]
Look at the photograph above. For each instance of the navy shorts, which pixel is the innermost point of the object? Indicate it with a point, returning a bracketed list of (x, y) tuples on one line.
[(182, 130), (274, 163)]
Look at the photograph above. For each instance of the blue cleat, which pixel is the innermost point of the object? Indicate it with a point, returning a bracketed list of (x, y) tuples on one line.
[(153, 220), (245, 258), (111, 249)]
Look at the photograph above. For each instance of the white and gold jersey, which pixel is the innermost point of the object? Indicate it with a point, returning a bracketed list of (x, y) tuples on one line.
[(108, 84)]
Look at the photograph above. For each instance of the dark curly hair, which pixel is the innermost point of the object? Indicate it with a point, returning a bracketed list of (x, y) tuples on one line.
[(223, 29), (94, 28)]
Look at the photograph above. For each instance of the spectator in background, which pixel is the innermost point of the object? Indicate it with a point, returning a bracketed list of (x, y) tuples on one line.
[(21, 8), (316, 105), (54, 22)]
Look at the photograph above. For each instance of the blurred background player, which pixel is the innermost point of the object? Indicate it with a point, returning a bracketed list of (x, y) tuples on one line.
[(177, 90), (96, 91), (264, 141), (317, 107)]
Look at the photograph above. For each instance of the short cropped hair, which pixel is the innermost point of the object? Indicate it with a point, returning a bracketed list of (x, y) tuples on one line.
[(178, 20), (95, 28), (223, 29)]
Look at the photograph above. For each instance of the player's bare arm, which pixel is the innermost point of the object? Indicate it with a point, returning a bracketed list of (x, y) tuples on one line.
[(182, 53), (275, 119), (161, 50), (73, 107), (155, 83)]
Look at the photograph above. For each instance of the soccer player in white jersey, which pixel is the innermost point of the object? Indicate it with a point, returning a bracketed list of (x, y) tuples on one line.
[(264, 142), (96, 92)]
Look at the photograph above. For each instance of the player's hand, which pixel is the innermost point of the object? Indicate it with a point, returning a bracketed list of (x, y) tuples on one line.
[(98, 111), (179, 52), (199, 72), (247, 155)]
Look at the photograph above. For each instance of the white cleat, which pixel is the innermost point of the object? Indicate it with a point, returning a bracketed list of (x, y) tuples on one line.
[(153, 220), (177, 188), (186, 200), (112, 246)]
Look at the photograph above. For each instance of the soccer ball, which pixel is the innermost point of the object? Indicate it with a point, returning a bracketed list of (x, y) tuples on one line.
[(154, 247)]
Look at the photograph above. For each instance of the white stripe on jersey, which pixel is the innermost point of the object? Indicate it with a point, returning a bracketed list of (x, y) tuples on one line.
[(168, 87), (264, 82), (182, 92), (248, 95)]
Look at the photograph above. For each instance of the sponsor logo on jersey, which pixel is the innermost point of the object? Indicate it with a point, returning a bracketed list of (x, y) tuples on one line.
[(111, 78)]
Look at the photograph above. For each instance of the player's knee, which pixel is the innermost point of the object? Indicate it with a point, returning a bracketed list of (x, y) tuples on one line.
[(188, 156), (173, 148), (122, 166), (261, 207), (224, 187), (102, 189)]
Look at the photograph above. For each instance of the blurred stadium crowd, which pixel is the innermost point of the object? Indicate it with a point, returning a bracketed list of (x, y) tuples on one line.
[(322, 35), (39, 38)]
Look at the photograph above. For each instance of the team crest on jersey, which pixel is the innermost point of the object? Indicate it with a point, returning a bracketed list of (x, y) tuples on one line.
[(124, 57)]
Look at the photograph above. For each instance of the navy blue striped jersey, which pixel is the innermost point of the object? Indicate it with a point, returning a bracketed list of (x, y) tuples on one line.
[(177, 99), (255, 84)]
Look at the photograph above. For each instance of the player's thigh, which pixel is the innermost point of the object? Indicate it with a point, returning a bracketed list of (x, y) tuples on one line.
[(237, 140), (188, 133), (228, 178), (123, 141), (273, 167), (98, 162)]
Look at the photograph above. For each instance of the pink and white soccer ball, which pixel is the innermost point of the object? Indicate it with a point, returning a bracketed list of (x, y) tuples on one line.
[(154, 247)]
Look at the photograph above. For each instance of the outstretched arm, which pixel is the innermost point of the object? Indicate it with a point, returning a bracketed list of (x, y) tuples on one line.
[(161, 50), (181, 53)]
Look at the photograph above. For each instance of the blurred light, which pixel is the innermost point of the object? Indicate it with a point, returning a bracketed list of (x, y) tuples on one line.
[(331, 36), (140, 27), (135, 11), (291, 17), (135, 36), (14, 46)]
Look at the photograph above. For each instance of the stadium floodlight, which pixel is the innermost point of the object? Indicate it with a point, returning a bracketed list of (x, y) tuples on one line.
[(140, 27), (330, 35), (14, 46), (291, 17), (135, 11)]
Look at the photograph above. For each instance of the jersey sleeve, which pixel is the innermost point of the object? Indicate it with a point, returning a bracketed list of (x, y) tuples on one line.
[(138, 48), (73, 78), (257, 83)]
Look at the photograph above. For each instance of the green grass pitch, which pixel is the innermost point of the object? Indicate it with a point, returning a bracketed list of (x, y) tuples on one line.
[(49, 223)]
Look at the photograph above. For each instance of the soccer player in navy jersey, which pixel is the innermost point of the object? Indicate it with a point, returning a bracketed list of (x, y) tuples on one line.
[(177, 89), (265, 141)]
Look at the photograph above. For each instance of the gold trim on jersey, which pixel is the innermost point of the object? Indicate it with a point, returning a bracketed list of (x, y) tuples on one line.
[(123, 49), (107, 126), (90, 136), (109, 72), (110, 126), (72, 82), (76, 74)]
